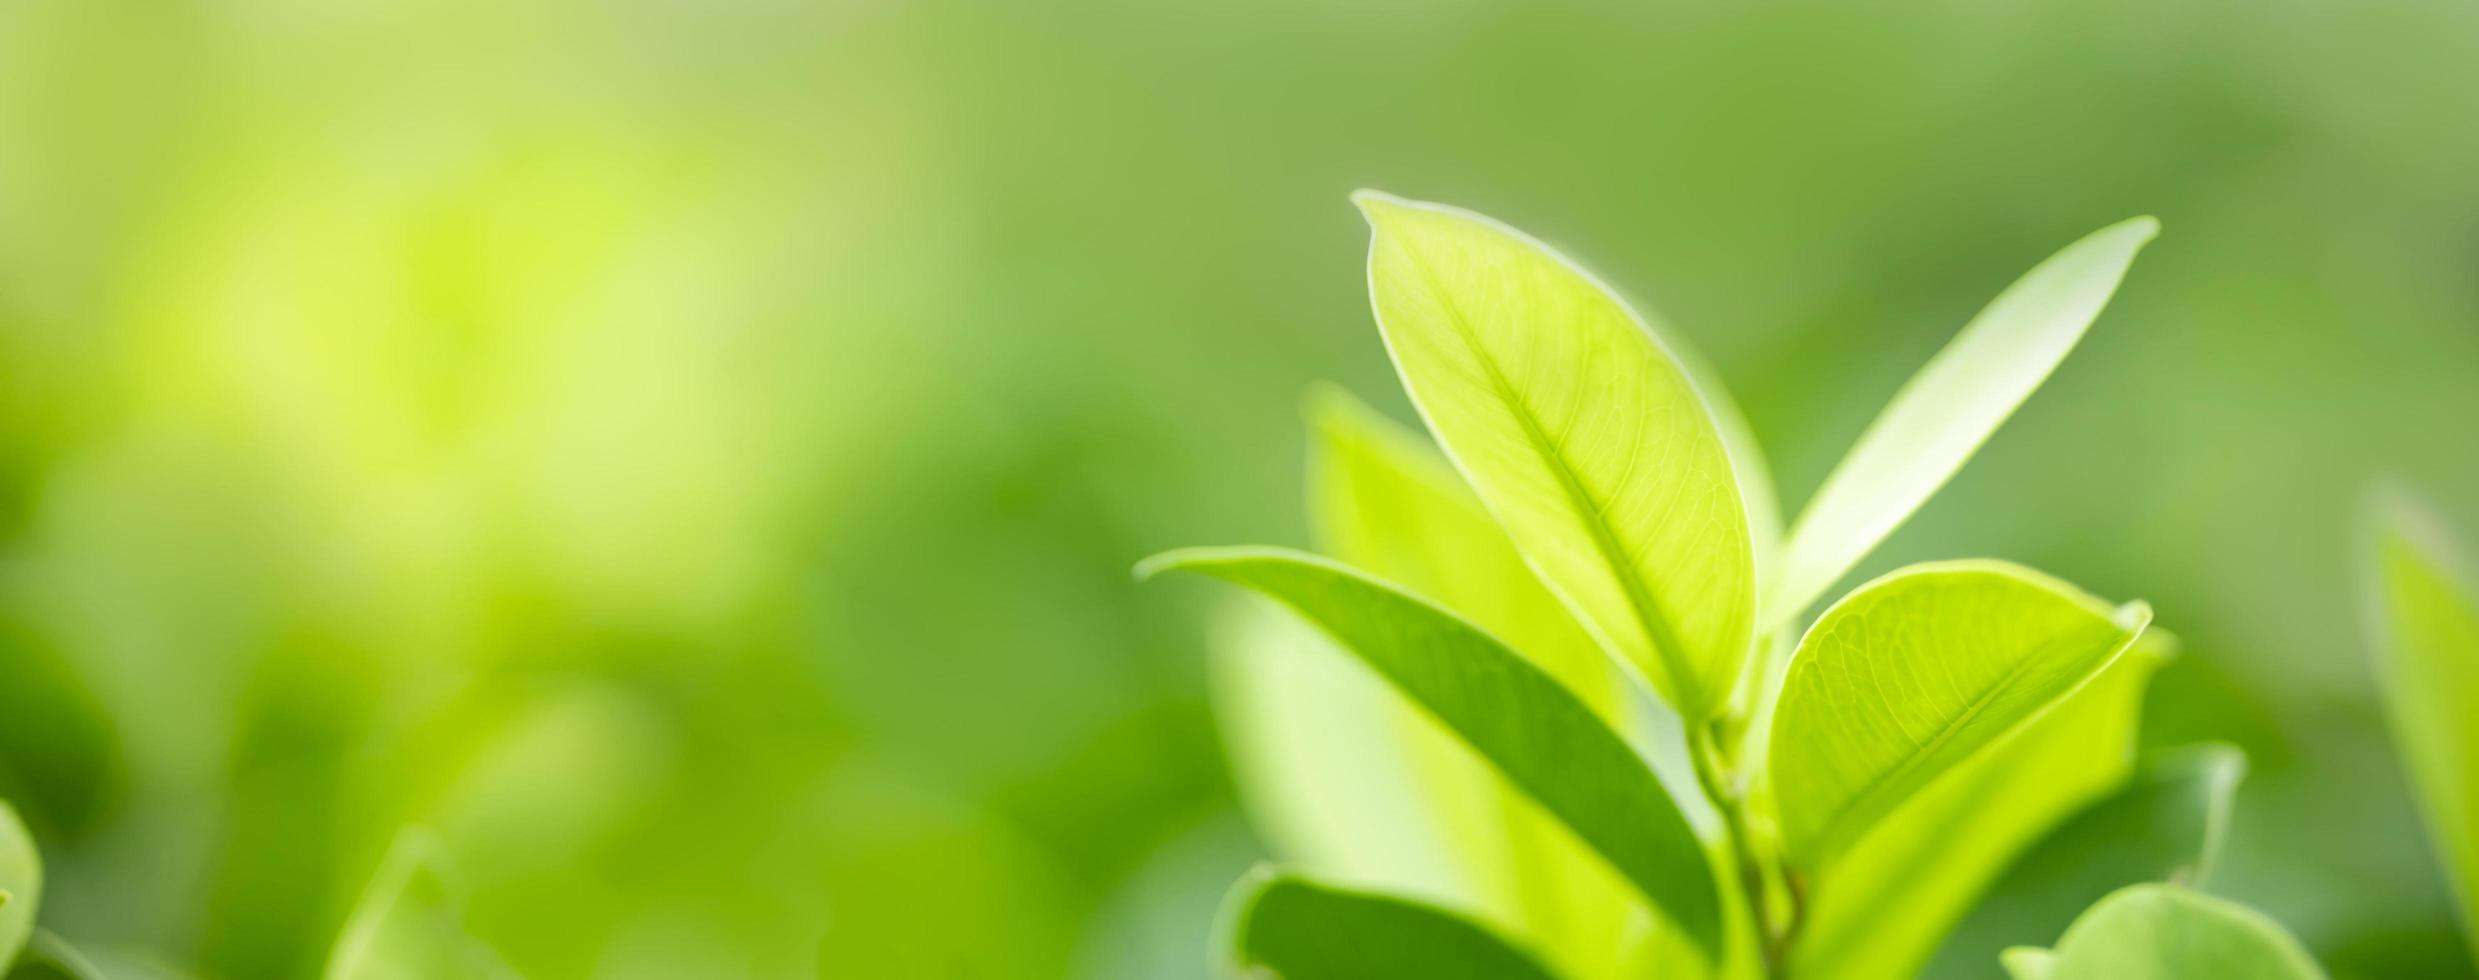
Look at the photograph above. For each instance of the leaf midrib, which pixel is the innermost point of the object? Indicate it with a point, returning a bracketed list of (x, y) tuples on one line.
[(1648, 615), (1829, 839)]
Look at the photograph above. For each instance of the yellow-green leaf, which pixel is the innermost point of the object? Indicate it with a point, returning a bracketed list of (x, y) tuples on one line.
[(1934, 856), (1911, 675), (1383, 500), (21, 884), (1948, 409), (2428, 656), (1535, 732), (2165, 932), (1586, 439)]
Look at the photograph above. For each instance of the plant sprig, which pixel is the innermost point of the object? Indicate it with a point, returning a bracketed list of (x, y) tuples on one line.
[(1580, 589)]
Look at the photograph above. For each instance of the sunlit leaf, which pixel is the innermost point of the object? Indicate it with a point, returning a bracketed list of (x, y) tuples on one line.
[(2428, 656), (1538, 735), (2165, 932), (409, 924), (1584, 436), (1912, 674), (1385, 501), (1948, 409), (21, 881), (1297, 929), (1934, 856), (2164, 825)]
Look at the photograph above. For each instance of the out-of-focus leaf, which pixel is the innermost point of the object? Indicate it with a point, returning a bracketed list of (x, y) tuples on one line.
[(1316, 749), (1914, 673), (409, 924), (2028, 962), (21, 880), (1538, 735), (1586, 439), (2164, 825), (48, 957), (2428, 655), (1943, 414), (1385, 501), (1934, 856), (1298, 929), (2165, 932)]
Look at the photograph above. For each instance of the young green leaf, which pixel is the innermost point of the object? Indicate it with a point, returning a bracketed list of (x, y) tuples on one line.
[(2164, 932), (1536, 733), (1383, 500), (1913, 673), (1297, 929), (1582, 434), (2428, 656), (2164, 825), (409, 925), (21, 881), (1948, 409), (1935, 855)]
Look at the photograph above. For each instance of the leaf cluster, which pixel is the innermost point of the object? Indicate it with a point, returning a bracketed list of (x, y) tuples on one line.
[(1560, 712)]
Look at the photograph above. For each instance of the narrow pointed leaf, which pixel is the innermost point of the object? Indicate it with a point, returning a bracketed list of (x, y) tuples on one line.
[(1385, 501), (1582, 434), (1536, 733), (2428, 656), (2164, 932), (1948, 409), (21, 881), (1914, 673), (1934, 856), (2165, 825), (409, 924), (1298, 929)]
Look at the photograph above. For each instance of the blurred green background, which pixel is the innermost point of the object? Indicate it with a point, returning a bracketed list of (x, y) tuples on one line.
[(690, 452)]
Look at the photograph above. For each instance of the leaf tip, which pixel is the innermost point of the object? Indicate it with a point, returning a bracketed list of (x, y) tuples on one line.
[(2133, 616), (1156, 564), (1373, 203)]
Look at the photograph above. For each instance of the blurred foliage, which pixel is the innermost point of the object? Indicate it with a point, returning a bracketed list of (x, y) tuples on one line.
[(689, 453)]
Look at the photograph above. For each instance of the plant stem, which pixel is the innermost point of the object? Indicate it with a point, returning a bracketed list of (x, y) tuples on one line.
[(1715, 775)]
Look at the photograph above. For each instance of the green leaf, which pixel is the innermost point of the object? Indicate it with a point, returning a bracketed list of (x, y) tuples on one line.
[(1298, 929), (1948, 409), (1915, 672), (2165, 932), (1935, 855), (409, 924), (1585, 437), (1537, 733), (1323, 768), (2165, 825), (2428, 657), (1384, 500), (48, 957), (2028, 963), (21, 880)]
